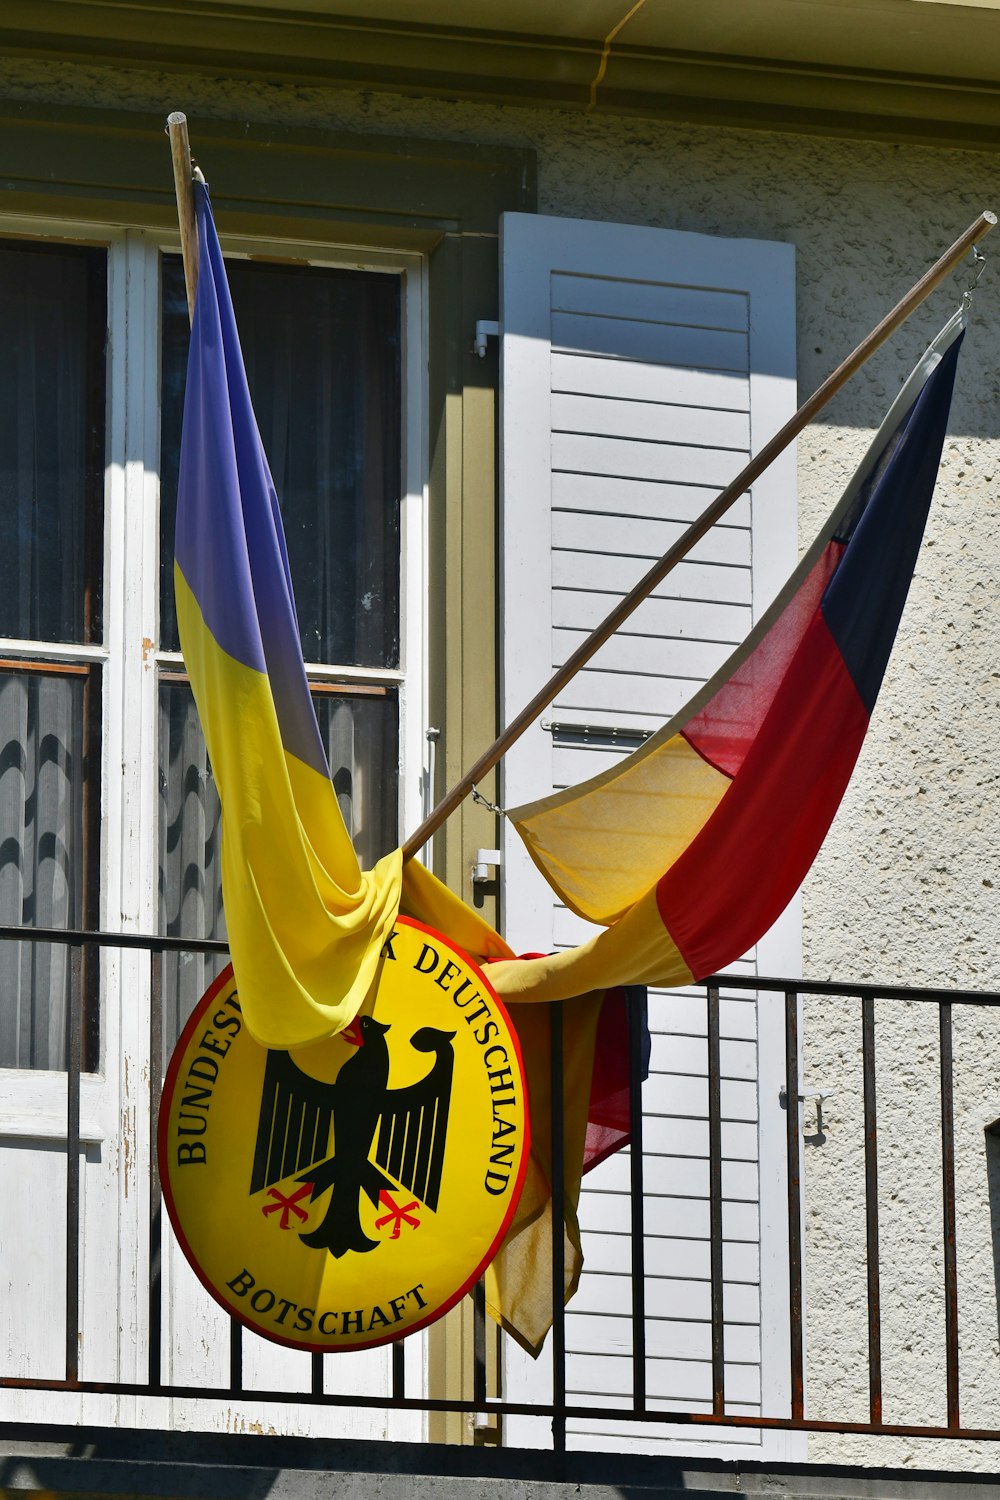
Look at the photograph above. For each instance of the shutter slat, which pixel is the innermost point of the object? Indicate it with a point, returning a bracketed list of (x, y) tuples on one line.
[(650, 301), (654, 343), (584, 453), (619, 496), (635, 380), (651, 421)]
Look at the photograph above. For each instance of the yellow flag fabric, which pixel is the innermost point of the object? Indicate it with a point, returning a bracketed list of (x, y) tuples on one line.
[(305, 923), (603, 847)]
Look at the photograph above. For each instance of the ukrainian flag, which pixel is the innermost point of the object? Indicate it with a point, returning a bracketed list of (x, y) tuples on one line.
[(305, 924)]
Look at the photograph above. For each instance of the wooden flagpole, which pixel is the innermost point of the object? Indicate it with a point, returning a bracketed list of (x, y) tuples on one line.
[(180, 151), (698, 529)]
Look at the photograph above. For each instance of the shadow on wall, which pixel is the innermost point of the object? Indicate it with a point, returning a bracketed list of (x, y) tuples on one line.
[(993, 1183)]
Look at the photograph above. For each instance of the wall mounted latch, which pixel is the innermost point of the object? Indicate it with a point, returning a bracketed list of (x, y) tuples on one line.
[(484, 330), (487, 862), (820, 1099)]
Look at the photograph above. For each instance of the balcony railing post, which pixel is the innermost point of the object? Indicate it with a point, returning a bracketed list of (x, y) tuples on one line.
[(948, 1204), (74, 1049), (636, 1018), (715, 1202), (398, 1372), (558, 1104), (872, 1211), (478, 1343), (235, 1357), (794, 1171), (155, 1303)]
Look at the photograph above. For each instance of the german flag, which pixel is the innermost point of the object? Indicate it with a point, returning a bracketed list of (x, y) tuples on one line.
[(690, 849)]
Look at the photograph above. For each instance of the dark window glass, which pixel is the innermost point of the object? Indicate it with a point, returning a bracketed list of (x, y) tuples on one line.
[(322, 355), (53, 311)]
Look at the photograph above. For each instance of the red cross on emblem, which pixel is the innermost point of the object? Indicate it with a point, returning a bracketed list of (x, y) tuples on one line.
[(289, 1205), (397, 1214)]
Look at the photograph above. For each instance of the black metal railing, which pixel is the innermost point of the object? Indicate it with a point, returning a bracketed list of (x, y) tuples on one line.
[(562, 1409)]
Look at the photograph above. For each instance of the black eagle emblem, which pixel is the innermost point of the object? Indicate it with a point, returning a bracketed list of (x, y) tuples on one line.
[(383, 1139)]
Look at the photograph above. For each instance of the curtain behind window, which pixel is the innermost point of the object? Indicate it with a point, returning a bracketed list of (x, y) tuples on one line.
[(41, 876), (190, 843)]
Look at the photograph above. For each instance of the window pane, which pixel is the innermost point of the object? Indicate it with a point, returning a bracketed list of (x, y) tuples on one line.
[(360, 732), (53, 310), (43, 832), (190, 844), (361, 736), (322, 355)]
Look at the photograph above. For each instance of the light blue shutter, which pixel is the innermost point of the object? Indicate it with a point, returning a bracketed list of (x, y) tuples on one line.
[(640, 368)]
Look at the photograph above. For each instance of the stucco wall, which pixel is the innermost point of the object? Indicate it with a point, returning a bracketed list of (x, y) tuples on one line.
[(906, 889)]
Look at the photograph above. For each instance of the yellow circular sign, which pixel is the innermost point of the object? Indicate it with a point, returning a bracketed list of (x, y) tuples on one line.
[(344, 1194)]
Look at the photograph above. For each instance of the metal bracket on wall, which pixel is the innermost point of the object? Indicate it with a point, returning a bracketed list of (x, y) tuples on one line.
[(562, 729)]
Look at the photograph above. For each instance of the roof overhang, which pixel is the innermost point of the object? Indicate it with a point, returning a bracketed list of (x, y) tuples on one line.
[(914, 70)]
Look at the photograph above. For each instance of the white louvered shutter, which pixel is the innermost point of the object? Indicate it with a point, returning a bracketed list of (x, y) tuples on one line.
[(640, 368)]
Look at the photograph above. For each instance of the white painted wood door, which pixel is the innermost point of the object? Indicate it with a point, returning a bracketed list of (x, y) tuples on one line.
[(113, 1104), (640, 368)]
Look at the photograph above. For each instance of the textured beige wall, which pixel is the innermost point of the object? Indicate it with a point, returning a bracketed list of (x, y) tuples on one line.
[(907, 889)]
